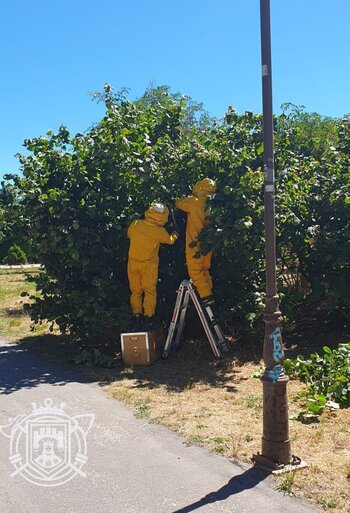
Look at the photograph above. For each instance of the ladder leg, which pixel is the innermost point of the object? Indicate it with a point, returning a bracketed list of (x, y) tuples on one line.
[(174, 319), (182, 320), (221, 337), (204, 322)]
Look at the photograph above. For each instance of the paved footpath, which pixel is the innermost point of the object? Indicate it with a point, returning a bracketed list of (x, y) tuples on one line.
[(133, 466)]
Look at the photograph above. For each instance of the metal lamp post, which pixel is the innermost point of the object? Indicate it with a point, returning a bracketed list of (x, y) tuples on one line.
[(276, 445)]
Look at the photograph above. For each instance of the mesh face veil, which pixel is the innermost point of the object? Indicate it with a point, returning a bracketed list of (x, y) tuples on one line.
[(159, 207)]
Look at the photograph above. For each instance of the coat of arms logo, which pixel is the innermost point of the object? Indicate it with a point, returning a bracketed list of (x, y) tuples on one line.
[(47, 446)]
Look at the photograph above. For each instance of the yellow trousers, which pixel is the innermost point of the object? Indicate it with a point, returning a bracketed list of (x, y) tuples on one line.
[(143, 278), (198, 270)]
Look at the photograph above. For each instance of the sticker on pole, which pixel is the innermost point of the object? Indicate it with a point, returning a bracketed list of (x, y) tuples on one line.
[(47, 446), (264, 70)]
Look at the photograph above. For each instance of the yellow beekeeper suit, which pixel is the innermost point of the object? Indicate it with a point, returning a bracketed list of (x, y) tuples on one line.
[(145, 238), (198, 268)]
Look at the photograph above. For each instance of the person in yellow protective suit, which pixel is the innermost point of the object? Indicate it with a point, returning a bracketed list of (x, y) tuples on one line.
[(197, 218), (145, 236)]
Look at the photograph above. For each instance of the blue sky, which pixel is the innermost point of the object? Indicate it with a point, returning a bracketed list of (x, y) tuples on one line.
[(53, 54)]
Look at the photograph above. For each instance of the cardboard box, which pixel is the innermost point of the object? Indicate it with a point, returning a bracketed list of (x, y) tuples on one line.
[(141, 348)]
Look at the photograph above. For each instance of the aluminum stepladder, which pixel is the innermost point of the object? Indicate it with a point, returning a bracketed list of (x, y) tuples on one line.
[(212, 330)]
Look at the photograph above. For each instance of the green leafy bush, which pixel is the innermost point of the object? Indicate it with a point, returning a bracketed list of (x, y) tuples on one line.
[(78, 195), (327, 376), (236, 235), (15, 255), (92, 358), (14, 224), (81, 193), (313, 211)]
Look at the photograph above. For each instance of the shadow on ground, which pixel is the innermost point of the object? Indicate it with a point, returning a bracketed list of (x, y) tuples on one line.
[(249, 479), (19, 369), (193, 364)]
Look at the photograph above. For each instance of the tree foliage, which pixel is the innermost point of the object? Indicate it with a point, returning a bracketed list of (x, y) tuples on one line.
[(78, 195), (327, 376), (14, 226), (15, 255)]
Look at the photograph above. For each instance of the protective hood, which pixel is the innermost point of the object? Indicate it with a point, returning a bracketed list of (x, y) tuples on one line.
[(204, 187), (157, 214)]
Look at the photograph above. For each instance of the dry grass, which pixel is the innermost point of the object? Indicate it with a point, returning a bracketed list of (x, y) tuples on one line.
[(14, 316), (219, 405), (216, 404)]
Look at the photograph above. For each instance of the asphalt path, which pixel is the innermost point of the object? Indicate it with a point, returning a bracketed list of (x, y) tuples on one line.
[(133, 466)]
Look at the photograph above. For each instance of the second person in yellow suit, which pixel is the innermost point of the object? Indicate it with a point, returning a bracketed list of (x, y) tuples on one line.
[(145, 236), (197, 218)]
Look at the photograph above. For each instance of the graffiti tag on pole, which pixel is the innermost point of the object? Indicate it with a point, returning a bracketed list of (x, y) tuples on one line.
[(277, 350)]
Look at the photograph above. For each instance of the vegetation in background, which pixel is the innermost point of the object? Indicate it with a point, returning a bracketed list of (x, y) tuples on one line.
[(93, 358), (327, 377), (78, 195), (15, 229), (15, 255)]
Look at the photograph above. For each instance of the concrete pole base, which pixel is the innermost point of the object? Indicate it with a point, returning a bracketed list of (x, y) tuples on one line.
[(278, 468)]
